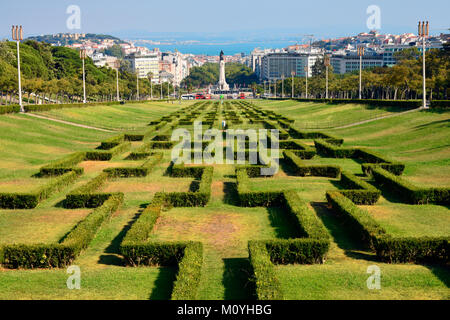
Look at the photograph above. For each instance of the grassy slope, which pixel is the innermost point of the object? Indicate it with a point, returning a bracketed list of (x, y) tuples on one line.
[(121, 117), (322, 115)]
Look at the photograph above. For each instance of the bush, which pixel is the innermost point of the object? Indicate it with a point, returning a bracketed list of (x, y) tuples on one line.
[(359, 191), (410, 193), (298, 251), (268, 286), (411, 250), (142, 171), (255, 199), (112, 142), (107, 155), (440, 104), (9, 109), (64, 165), (189, 272), (85, 196), (361, 222), (314, 170)]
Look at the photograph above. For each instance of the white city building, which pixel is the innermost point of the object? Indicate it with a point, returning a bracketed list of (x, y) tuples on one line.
[(144, 64)]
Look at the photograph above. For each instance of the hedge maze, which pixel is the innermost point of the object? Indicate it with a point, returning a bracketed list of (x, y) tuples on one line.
[(306, 159)]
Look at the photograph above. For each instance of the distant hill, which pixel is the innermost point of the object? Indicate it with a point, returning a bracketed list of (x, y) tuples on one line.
[(69, 38)]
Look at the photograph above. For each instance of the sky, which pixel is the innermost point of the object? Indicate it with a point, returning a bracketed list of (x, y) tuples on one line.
[(227, 18)]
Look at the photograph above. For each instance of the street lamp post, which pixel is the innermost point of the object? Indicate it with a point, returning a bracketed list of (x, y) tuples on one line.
[(361, 51), (327, 64), (17, 35), (117, 79), (137, 84), (83, 57), (424, 32), (306, 71), (292, 74)]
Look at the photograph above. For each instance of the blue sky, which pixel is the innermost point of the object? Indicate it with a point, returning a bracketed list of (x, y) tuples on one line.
[(233, 17)]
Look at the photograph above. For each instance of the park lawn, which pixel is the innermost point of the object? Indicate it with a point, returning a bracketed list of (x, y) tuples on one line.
[(404, 220), (130, 116), (28, 143), (324, 115), (350, 165), (310, 189), (42, 225), (224, 231), (418, 139), (344, 274)]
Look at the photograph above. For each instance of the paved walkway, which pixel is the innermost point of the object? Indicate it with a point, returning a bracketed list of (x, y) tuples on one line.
[(67, 122)]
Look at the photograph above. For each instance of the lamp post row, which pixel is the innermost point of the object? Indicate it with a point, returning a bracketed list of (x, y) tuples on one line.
[(17, 35)]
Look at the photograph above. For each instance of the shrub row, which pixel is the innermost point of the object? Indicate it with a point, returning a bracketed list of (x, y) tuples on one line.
[(200, 198), (297, 134), (189, 272), (440, 104), (359, 191), (64, 165), (107, 155), (32, 199), (61, 254), (142, 171), (112, 142), (9, 109), (248, 198), (388, 248), (303, 170), (267, 285), (410, 193), (372, 159), (85, 196)]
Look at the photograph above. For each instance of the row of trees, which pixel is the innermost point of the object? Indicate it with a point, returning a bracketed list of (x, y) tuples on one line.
[(54, 74), (402, 81)]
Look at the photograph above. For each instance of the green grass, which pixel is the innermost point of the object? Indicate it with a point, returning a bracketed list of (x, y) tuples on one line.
[(418, 139), (310, 115), (120, 117)]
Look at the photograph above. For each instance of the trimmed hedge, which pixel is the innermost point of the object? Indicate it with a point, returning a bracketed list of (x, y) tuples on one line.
[(61, 254), (112, 142), (410, 193), (361, 222), (359, 191), (298, 251), (189, 272), (268, 286), (107, 155), (255, 199), (440, 104), (143, 171), (303, 170), (85, 196), (32, 199), (9, 109), (64, 165), (200, 198), (297, 134)]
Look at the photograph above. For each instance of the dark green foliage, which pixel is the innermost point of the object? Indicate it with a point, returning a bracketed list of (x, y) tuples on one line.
[(303, 170), (129, 172), (361, 222), (394, 168), (268, 286), (440, 104), (412, 250), (9, 109), (410, 193), (189, 272), (298, 251), (107, 155), (85, 196), (64, 165), (112, 142), (359, 191)]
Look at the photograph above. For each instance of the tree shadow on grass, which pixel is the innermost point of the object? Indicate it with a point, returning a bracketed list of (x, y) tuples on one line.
[(284, 227), (442, 272), (111, 253), (387, 194), (164, 283), (231, 196), (236, 279), (342, 233)]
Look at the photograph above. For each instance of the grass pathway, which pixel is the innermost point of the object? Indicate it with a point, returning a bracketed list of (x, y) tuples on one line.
[(67, 122)]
